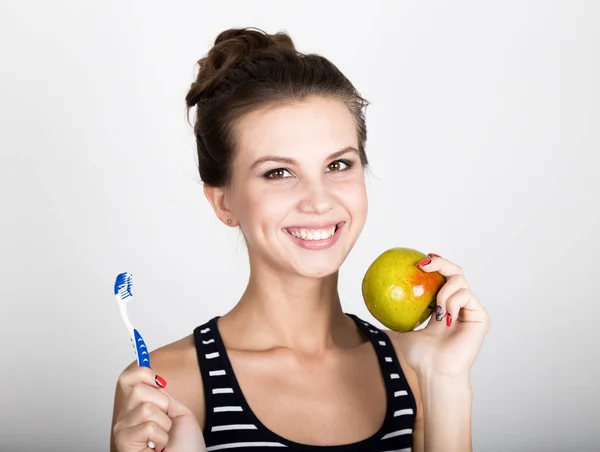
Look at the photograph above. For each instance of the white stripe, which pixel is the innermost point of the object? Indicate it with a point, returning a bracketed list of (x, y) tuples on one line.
[(222, 428), (402, 412), (216, 373), (210, 341), (394, 376), (388, 359), (205, 330), (212, 355), (406, 431), (223, 409), (374, 331), (381, 343), (222, 391), (399, 393), (236, 445)]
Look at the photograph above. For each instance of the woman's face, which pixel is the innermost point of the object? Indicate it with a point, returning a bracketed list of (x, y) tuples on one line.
[(298, 187)]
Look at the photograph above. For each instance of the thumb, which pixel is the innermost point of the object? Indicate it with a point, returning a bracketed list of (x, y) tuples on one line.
[(176, 408), (185, 434)]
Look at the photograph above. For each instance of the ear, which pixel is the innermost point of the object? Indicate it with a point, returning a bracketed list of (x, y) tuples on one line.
[(219, 200)]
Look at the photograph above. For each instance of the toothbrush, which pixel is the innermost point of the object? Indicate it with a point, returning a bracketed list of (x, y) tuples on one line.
[(123, 293)]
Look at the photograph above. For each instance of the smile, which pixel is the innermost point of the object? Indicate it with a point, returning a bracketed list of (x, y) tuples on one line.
[(315, 237), (313, 234)]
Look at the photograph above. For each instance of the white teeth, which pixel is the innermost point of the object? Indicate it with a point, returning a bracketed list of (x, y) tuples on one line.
[(313, 234)]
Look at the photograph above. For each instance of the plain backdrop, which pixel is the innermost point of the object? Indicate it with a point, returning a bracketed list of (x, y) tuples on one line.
[(483, 138)]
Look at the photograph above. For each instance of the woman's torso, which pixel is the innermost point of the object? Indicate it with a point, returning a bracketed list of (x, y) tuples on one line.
[(258, 401)]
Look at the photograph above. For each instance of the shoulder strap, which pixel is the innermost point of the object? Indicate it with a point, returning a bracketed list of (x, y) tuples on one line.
[(212, 366), (396, 383)]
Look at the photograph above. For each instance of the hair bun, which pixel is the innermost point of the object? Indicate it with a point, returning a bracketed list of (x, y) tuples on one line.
[(231, 48), (254, 38)]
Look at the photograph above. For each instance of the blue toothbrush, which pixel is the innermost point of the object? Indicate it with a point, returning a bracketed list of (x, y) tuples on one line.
[(123, 294)]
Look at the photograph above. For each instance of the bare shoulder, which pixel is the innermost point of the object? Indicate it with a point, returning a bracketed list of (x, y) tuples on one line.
[(178, 364), (397, 338)]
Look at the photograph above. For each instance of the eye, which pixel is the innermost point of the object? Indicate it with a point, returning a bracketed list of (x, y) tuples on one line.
[(277, 173), (339, 165)]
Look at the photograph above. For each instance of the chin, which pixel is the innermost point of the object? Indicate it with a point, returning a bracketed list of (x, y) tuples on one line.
[(318, 258), (317, 273), (315, 268)]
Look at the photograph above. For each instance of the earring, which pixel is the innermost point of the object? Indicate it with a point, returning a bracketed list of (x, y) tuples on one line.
[(228, 221)]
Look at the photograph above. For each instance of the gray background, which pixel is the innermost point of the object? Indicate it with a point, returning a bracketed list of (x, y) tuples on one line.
[(484, 141)]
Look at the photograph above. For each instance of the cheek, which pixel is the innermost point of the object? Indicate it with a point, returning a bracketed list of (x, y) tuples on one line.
[(353, 195), (357, 202), (265, 204)]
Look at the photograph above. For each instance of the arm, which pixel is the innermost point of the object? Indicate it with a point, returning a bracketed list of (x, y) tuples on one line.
[(446, 413), (442, 353), (443, 417)]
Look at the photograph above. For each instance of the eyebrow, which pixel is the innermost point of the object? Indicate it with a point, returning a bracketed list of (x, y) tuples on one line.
[(290, 161)]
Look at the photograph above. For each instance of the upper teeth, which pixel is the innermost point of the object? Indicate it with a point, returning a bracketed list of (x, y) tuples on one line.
[(312, 234)]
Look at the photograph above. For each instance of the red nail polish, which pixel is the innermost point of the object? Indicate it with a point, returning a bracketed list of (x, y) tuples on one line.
[(423, 262), (160, 381), (448, 319), (434, 255)]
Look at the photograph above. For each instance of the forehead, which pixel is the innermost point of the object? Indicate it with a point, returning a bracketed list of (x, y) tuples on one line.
[(313, 125)]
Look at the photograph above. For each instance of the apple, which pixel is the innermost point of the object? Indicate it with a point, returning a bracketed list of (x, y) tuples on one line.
[(397, 292)]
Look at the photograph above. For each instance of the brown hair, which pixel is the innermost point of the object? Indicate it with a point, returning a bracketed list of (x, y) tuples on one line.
[(247, 69)]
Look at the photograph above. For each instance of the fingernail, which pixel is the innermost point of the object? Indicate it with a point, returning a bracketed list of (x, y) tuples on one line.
[(439, 313), (423, 262), (434, 255), (160, 381), (448, 319)]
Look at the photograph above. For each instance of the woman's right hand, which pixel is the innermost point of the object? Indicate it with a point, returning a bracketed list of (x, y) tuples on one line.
[(149, 413)]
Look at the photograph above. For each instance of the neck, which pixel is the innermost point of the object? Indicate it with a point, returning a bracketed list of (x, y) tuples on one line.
[(299, 313)]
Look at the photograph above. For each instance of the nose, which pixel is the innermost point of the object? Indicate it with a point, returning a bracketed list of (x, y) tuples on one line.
[(316, 199)]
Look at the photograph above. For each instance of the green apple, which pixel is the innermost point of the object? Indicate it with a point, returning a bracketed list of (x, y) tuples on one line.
[(397, 292)]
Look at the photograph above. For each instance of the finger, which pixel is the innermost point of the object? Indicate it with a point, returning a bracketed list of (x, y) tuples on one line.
[(452, 285), (469, 316), (438, 264), (455, 281), (138, 437), (142, 393), (130, 377), (144, 412), (464, 306)]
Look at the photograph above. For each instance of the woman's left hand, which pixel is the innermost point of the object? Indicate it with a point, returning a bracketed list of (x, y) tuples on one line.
[(450, 343)]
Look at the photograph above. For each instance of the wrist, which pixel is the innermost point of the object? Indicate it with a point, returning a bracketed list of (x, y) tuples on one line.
[(459, 379)]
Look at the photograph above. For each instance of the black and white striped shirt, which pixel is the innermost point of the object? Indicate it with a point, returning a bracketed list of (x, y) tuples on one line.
[(231, 424)]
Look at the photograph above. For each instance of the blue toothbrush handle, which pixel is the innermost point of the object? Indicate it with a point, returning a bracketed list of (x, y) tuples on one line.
[(143, 356)]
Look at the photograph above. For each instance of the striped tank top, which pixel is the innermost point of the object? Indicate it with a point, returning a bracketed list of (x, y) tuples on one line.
[(231, 424)]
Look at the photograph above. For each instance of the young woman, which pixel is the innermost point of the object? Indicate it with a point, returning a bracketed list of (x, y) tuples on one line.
[(281, 146)]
